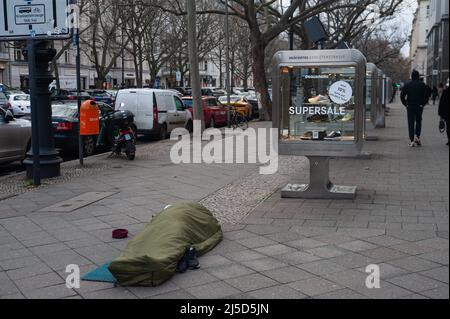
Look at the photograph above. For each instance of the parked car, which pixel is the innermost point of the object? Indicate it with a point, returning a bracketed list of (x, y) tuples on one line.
[(69, 95), (214, 112), (66, 125), (15, 135), (183, 91), (240, 103), (101, 96), (219, 92), (157, 112), (19, 104)]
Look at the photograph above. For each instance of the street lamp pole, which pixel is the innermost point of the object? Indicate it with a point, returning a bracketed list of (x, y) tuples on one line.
[(227, 63), (194, 67)]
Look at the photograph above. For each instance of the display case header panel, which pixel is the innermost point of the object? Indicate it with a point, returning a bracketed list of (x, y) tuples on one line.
[(319, 102)]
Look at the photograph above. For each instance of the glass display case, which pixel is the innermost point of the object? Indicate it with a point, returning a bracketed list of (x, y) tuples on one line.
[(319, 110), (319, 102)]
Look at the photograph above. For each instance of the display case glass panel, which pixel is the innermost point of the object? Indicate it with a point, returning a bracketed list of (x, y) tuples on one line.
[(321, 104)]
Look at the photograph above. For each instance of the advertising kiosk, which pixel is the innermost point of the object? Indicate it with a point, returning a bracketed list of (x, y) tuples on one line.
[(318, 108)]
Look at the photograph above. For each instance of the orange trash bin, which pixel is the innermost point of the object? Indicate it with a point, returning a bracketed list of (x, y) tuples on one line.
[(89, 118)]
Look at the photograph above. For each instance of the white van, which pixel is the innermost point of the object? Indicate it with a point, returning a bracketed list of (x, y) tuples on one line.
[(156, 112)]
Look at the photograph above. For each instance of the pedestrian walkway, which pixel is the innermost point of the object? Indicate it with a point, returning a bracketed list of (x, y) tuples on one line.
[(278, 248)]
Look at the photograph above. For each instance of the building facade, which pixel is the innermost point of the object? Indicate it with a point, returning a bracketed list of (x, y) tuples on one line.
[(419, 45), (438, 45)]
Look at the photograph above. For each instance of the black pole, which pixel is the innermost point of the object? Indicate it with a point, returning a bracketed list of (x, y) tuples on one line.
[(42, 161), (34, 113), (80, 138)]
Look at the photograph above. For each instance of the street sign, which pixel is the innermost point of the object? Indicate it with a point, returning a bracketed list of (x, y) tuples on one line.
[(34, 19), (435, 72), (178, 76)]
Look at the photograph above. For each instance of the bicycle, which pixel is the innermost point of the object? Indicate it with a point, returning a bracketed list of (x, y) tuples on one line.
[(238, 121)]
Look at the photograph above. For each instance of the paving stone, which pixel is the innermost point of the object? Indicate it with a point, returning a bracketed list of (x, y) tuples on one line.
[(245, 255), (193, 278), (277, 292), (439, 293), (357, 245), (107, 294), (441, 274), (29, 271), (53, 292), (322, 267), (416, 283), (213, 261), (7, 287), (436, 243), (326, 252), (439, 256), (147, 292), (251, 282), (230, 271), (352, 260), (264, 264), (298, 258), (215, 290), (275, 250), (256, 242), (344, 294), (382, 254), (175, 295), (39, 281), (315, 286), (412, 248), (385, 241), (334, 239), (386, 292), (287, 275), (284, 237), (306, 243), (414, 264)]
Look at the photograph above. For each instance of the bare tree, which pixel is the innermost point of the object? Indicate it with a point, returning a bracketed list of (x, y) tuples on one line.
[(102, 44)]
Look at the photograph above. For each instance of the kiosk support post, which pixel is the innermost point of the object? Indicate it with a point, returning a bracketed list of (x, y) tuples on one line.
[(320, 185)]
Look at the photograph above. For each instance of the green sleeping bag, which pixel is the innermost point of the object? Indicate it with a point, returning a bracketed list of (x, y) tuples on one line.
[(151, 257)]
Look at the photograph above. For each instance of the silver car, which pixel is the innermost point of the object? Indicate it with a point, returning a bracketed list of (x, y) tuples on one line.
[(15, 136)]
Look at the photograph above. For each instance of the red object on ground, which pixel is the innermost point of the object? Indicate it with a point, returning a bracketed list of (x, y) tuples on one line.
[(120, 233)]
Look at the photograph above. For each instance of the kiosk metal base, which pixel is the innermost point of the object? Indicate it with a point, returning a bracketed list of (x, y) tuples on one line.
[(320, 186)]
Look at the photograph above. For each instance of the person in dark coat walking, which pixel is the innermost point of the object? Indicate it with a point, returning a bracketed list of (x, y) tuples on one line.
[(415, 96), (434, 94), (444, 111)]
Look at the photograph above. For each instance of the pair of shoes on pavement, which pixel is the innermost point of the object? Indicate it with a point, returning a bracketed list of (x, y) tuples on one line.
[(416, 143), (189, 261)]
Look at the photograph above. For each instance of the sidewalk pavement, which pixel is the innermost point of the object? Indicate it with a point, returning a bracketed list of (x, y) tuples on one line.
[(273, 247)]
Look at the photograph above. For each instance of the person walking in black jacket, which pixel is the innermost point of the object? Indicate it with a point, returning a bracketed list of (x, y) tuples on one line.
[(414, 97), (444, 110)]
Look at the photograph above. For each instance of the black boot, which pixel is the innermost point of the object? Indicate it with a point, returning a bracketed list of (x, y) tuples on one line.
[(193, 262)]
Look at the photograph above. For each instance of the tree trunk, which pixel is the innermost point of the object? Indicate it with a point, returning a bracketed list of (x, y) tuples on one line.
[(260, 78)]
